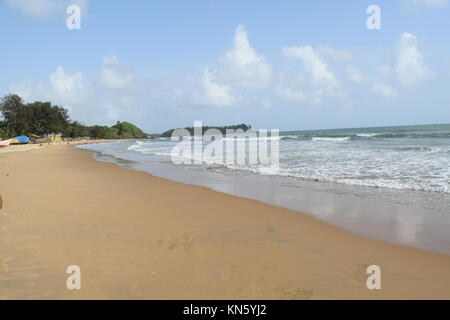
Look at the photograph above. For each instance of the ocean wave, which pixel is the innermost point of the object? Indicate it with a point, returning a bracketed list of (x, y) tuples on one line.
[(331, 139), (275, 138), (438, 186), (423, 149), (413, 135), (291, 137), (408, 166), (135, 147), (367, 135), (379, 183)]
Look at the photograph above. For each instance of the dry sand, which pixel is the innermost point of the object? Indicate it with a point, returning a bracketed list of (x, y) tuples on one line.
[(17, 148), (136, 236)]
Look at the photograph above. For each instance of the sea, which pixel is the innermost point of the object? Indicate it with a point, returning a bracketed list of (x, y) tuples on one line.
[(390, 183)]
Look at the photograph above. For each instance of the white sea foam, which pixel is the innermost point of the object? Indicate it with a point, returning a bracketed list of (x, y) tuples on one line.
[(400, 162), (367, 135), (251, 138), (331, 139)]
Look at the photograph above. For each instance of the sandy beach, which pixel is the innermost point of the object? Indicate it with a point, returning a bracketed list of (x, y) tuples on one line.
[(136, 236), (19, 148)]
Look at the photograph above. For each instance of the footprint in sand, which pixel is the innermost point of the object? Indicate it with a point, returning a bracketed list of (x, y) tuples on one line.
[(185, 242), (230, 273), (293, 291)]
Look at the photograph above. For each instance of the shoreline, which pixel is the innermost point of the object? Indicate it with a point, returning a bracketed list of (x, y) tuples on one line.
[(36, 146), (361, 212), (136, 236)]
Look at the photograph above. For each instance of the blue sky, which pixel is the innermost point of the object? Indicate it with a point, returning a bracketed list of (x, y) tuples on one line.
[(273, 64)]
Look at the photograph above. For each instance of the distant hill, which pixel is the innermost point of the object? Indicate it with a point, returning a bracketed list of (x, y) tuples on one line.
[(126, 130), (223, 129)]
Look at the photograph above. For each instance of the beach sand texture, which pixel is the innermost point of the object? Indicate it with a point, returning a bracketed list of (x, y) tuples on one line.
[(17, 148), (136, 236)]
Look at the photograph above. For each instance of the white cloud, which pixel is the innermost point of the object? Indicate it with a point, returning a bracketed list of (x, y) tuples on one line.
[(64, 83), (410, 68), (113, 75), (211, 94), (34, 8), (427, 3), (310, 76), (41, 9), (86, 100), (313, 64), (63, 89), (28, 90), (118, 109), (375, 84), (384, 89), (67, 89), (242, 66), (293, 95), (355, 75), (330, 53), (311, 86)]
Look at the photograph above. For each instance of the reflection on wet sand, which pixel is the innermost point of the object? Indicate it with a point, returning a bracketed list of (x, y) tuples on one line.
[(400, 224)]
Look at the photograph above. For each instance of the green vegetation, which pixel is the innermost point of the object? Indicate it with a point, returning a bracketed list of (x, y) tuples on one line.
[(126, 130), (243, 126), (122, 130), (40, 118), (37, 117)]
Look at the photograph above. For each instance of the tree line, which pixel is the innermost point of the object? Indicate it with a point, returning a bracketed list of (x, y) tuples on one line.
[(41, 118)]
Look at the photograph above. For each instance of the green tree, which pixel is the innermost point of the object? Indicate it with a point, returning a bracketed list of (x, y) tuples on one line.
[(12, 109), (42, 118), (2, 134)]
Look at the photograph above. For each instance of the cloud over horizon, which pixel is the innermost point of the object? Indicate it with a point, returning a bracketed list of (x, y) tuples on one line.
[(42, 9), (212, 94), (410, 68), (307, 76), (242, 66)]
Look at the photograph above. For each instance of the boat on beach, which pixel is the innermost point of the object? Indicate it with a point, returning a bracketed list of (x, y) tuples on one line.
[(5, 143), (20, 140)]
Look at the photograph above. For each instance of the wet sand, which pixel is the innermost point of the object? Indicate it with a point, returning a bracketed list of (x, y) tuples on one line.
[(363, 214), (136, 236)]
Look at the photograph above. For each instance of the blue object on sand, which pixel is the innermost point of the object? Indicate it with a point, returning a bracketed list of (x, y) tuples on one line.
[(22, 140)]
